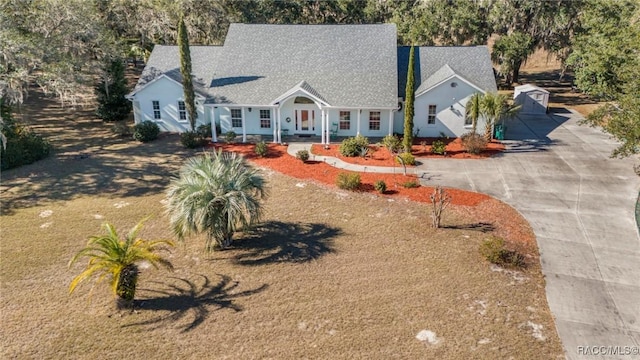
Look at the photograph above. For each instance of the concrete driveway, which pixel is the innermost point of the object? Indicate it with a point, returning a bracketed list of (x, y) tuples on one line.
[(580, 204)]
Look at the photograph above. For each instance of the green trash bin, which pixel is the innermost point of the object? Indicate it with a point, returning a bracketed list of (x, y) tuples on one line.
[(499, 132)]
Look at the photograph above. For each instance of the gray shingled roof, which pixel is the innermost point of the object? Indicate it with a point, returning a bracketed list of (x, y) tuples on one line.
[(348, 65), (166, 60), (343, 65), (436, 63)]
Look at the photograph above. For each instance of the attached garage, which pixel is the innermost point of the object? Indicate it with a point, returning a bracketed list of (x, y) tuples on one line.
[(534, 100)]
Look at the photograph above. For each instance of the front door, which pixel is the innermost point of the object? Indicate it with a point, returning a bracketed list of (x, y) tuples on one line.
[(305, 121)]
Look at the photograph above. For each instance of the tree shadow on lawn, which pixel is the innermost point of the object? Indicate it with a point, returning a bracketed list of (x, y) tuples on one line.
[(480, 226), (276, 242), (116, 167), (182, 298)]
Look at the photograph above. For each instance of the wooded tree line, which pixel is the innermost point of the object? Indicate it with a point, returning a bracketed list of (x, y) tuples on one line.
[(60, 45)]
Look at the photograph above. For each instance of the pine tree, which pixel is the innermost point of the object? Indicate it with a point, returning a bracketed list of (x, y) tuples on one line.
[(408, 105), (185, 70), (111, 91)]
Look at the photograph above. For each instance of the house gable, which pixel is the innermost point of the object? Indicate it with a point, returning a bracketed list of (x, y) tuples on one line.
[(304, 89), (451, 80), (434, 64), (162, 79)]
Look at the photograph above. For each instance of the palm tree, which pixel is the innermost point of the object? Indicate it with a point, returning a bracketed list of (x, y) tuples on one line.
[(109, 255), (216, 193), (473, 110), (496, 107)]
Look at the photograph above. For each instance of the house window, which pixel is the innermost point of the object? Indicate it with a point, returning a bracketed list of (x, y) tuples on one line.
[(431, 119), (265, 119), (182, 110), (156, 109), (468, 121), (236, 118), (345, 120), (374, 120)]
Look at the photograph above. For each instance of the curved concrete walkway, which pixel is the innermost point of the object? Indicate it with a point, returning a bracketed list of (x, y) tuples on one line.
[(580, 204)]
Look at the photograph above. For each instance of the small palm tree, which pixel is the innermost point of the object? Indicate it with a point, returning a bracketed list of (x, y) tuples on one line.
[(473, 110), (109, 255), (496, 107), (218, 194)]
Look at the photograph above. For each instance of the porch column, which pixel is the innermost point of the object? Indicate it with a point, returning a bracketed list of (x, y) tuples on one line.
[(279, 123), (390, 122), (328, 127), (214, 136), (275, 125), (323, 133), (358, 125), (244, 127)]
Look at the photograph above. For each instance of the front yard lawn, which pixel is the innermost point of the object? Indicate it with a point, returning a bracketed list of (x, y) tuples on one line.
[(330, 273)]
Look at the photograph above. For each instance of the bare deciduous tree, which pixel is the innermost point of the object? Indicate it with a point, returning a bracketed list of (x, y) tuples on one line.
[(440, 199)]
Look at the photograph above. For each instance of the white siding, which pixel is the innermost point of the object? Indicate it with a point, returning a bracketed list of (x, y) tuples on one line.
[(167, 93), (252, 120), (449, 122)]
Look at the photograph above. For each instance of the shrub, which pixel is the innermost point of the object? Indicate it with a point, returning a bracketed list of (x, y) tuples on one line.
[(348, 181), (302, 155), (406, 158), (410, 184), (473, 143), (262, 149), (230, 136), (146, 131), (204, 131), (23, 147), (120, 128), (380, 186), (438, 147), (494, 251), (392, 143), (353, 146), (192, 139)]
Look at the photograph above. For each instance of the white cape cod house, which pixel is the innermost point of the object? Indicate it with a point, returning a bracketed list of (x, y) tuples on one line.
[(319, 80)]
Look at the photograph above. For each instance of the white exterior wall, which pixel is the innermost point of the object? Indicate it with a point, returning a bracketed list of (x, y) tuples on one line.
[(252, 120), (398, 122), (449, 122), (334, 117), (384, 123), (168, 93)]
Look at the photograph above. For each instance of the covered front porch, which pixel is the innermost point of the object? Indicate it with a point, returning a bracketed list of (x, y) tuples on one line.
[(301, 114)]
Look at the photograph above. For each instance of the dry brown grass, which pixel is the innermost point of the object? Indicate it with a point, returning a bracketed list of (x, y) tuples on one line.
[(331, 275)]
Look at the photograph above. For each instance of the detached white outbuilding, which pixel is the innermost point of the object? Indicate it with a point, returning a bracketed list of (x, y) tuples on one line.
[(534, 100)]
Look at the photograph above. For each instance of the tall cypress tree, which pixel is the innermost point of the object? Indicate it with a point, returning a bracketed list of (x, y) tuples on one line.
[(185, 70), (408, 105)]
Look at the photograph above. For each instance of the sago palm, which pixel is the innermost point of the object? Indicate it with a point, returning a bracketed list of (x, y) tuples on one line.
[(473, 110), (116, 258), (217, 194), (494, 108)]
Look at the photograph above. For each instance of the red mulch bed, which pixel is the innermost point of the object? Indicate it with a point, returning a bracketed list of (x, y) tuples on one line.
[(503, 219), (278, 160), (379, 156)]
